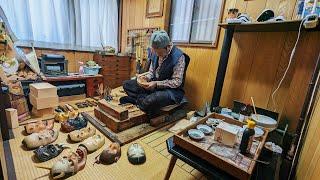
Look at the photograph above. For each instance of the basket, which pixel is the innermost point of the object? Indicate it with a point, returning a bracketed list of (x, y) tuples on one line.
[(91, 70)]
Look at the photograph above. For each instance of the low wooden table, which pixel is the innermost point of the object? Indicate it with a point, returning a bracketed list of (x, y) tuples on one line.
[(92, 81)]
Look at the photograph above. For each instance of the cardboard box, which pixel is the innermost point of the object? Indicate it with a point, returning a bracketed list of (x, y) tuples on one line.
[(43, 103), (42, 90), (43, 112), (12, 118)]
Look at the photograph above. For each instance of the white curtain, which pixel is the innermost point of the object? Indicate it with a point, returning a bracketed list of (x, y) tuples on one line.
[(181, 16), (18, 14), (195, 21), (205, 20), (73, 22), (96, 22)]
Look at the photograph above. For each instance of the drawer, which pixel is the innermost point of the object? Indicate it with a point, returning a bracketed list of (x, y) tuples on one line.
[(115, 72)]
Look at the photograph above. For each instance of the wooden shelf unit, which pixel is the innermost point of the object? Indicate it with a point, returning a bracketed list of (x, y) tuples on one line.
[(278, 26)]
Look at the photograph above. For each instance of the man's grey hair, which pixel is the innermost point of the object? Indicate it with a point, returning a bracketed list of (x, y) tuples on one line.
[(159, 39)]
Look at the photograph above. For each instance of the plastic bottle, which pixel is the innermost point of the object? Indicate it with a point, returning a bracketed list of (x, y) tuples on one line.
[(81, 69), (247, 137)]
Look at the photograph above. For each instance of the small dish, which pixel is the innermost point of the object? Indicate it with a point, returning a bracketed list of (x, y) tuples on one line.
[(213, 121), (204, 128), (195, 134)]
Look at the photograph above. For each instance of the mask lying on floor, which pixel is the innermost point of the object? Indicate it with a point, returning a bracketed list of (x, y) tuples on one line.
[(136, 154), (109, 155), (68, 165)]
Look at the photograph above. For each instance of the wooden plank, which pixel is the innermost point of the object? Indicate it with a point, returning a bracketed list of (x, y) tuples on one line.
[(117, 112)]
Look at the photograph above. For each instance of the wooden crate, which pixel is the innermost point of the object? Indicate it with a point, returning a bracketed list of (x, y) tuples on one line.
[(119, 125), (115, 111), (182, 139)]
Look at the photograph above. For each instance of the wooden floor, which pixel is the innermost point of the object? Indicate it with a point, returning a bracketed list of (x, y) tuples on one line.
[(154, 168)]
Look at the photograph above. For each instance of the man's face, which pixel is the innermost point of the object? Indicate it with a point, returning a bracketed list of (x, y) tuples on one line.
[(161, 52)]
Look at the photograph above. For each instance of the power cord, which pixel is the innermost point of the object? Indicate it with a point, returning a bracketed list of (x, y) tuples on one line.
[(289, 64)]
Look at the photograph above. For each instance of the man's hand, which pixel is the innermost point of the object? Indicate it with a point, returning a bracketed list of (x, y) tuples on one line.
[(142, 81), (150, 85)]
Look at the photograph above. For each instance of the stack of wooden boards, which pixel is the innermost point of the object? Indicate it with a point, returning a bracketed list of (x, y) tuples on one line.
[(119, 117), (44, 98)]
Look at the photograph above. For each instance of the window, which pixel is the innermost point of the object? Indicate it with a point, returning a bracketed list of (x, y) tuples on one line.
[(90, 23), (195, 21)]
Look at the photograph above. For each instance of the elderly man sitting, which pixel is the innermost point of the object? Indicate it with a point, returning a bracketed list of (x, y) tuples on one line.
[(163, 84)]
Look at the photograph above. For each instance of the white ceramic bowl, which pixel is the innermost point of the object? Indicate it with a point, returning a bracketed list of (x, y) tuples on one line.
[(195, 134), (204, 128)]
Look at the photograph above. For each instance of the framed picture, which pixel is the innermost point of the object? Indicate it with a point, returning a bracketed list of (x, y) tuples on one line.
[(154, 8)]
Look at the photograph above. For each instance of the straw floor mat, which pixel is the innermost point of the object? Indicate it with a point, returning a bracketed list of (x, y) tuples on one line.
[(154, 168)]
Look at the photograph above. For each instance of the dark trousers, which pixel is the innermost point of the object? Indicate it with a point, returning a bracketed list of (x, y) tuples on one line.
[(148, 101)]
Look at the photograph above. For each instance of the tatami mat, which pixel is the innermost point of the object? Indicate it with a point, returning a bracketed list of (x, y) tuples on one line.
[(154, 168)]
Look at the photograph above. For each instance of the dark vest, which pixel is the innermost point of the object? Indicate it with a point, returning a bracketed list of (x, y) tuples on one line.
[(166, 71)]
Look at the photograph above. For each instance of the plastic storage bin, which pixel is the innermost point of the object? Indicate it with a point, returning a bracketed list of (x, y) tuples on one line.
[(91, 70)]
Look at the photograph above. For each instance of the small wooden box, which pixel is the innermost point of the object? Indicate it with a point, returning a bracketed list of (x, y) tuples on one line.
[(202, 150), (12, 118), (115, 111), (43, 90), (43, 112), (43, 103)]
